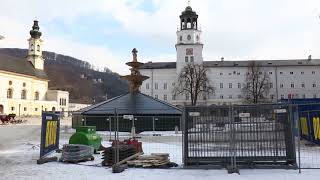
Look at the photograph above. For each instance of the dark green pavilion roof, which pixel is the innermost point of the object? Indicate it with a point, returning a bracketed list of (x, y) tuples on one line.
[(132, 104)]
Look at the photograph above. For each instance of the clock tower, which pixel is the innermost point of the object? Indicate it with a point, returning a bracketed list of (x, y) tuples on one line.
[(189, 46), (35, 47)]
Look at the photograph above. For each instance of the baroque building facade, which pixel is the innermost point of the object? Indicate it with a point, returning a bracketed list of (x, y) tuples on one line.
[(299, 78), (24, 83)]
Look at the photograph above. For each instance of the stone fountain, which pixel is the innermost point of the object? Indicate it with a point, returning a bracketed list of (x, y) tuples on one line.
[(135, 78)]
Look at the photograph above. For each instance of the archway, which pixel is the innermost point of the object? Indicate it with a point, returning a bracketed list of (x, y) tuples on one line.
[(1, 109)]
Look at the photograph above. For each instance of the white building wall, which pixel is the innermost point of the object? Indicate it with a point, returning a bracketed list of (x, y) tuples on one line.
[(281, 78)]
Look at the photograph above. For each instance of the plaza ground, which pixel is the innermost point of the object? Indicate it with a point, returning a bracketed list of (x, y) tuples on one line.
[(19, 150)]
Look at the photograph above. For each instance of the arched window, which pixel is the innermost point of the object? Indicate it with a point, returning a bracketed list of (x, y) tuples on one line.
[(38, 48), (24, 94), (188, 23), (9, 93), (36, 95)]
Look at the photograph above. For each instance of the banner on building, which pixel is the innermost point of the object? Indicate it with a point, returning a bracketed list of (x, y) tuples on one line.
[(50, 129)]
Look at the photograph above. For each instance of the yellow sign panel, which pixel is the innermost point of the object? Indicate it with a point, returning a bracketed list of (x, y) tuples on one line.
[(304, 126), (316, 128), (51, 131)]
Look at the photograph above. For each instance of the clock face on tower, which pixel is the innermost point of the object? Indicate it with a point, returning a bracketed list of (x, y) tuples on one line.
[(189, 51), (189, 37)]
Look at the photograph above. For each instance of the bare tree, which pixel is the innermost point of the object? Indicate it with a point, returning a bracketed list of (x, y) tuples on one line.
[(257, 84), (193, 81)]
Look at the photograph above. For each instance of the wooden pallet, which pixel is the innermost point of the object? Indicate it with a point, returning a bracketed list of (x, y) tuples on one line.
[(150, 161)]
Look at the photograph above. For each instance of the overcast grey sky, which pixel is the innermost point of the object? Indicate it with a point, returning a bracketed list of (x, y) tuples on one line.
[(103, 32)]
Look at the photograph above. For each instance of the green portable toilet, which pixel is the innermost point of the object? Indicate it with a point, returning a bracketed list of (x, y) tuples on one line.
[(86, 135)]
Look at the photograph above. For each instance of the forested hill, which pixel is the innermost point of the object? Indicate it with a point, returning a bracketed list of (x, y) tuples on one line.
[(84, 84)]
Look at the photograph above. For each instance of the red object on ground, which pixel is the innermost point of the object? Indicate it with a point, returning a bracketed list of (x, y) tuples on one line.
[(137, 145)]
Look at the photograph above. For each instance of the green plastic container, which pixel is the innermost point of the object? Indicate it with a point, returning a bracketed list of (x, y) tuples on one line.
[(86, 135)]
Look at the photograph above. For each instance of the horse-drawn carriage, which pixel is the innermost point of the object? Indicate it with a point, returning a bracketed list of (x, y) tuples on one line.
[(10, 118)]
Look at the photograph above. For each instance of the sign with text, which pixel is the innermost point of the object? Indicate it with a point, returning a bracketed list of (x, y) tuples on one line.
[(244, 115), (50, 129), (127, 116)]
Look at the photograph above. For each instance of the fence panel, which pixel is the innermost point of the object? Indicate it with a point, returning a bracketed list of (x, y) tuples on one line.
[(243, 135), (308, 139)]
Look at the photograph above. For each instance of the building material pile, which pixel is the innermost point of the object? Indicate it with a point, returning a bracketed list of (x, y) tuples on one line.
[(74, 153), (109, 154), (155, 160)]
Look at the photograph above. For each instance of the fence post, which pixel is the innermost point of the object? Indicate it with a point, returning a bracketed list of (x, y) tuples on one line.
[(299, 138)]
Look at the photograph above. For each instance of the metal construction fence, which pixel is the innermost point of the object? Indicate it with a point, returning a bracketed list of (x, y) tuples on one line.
[(230, 136), (159, 133), (307, 127), (242, 135)]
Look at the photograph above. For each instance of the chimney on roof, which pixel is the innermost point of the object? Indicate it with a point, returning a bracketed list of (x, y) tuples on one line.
[(222, 58), (309, 57)]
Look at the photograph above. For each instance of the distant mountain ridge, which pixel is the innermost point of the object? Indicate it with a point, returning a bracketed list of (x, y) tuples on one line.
[(84, 84)]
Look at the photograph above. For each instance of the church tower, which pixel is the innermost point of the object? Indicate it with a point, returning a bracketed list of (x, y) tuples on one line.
[(189, 46), (35, 47)]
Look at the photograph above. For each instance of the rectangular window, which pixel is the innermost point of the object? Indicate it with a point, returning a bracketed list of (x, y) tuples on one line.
[(187, 96), (230, 85), (221, 74), (156, 96), (291, 72), (165, 86), (303, 85), (191, 58), (281, 85), (270, 72), (165, 97), (36, 109), (25, 109), (238, 73), (186, 59), (221, 85), (282, 96), (155, 85), (271, 85), (302, 72), (281, 72), (239, 85), (230, 96), (12, 108), (173, 97), (292, 85), (147, 86), (313, 72), (314, 85), (221, 96)]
